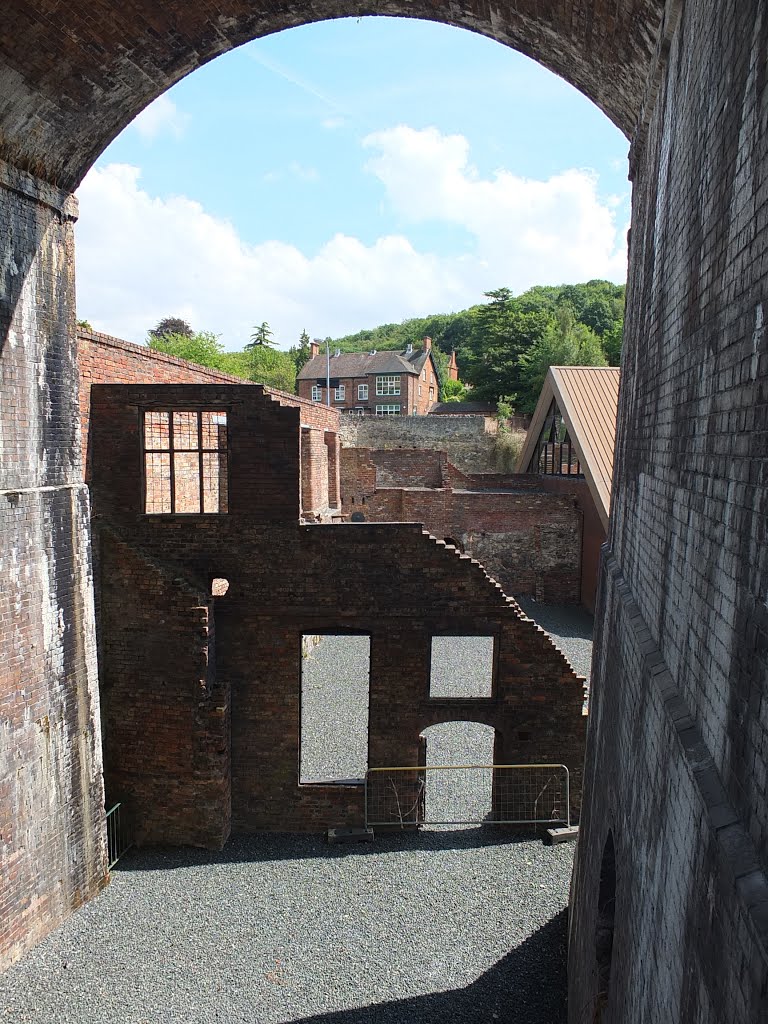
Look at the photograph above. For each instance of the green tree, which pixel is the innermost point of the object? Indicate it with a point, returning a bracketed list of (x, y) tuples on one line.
[(454, 391), (565, 342), (301, 353), (203, 348), (261, 337), (612, 340), (272, 367), (171, 325)]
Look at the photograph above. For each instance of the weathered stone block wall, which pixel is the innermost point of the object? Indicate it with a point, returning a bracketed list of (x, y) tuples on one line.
[(469, 441), (52, 839), (393, 582), (678, 745)]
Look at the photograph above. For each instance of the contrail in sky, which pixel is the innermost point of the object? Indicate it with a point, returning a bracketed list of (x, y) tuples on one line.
[(289, 76)]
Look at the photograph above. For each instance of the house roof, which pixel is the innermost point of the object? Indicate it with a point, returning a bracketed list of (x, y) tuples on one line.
[(361, 364), (463, 409), (587, 396)]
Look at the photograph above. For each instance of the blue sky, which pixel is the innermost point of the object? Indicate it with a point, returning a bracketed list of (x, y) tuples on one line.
[(344, 174)]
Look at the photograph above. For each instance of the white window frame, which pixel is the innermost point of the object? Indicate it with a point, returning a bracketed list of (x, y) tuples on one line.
[(339, 394), (388, 410), (424, 373), (388, 384), (419, 390), (362, 392), (317, 393)]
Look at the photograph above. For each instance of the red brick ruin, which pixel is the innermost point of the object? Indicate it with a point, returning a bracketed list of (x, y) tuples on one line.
[(674, 814)]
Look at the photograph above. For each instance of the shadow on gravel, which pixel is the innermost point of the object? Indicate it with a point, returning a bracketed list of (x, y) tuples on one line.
[(273, 846), (525, 987)]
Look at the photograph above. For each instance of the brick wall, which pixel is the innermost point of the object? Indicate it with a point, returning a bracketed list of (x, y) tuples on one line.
[(52, 836), (678, 746), (528, 537), (107, 360), (394, 582)]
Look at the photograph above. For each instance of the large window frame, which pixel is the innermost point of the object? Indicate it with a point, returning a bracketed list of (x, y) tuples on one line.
[(388, 410), (340, 393), (362, 392), (164, 443), (388, 384), (317, 393)]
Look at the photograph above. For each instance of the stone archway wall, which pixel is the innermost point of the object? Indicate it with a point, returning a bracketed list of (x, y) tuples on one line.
[(678, 736)]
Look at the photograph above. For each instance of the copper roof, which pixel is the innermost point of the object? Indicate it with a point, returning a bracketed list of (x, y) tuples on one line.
[(588, 398)]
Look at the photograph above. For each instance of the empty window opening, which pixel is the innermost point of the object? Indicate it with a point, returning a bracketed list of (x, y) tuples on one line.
[(459, 779), (219, 586), (185, 461), (461, 666), (606, 913), (335, 674)]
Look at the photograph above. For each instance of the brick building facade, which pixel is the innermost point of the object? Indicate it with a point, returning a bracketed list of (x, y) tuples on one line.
[(175, 751), (528, 534), (373, 383)]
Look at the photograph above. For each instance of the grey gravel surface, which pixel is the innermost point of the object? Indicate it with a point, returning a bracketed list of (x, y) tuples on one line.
[(570, 627), (334, 707), (466, 927)]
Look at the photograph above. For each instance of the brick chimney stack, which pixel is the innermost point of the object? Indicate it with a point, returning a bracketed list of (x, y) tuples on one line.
[(314, 349), (427, 344), (453, 368)]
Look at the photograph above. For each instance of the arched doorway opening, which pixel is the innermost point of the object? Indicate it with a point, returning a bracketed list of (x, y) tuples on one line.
[(459, 779), (604, 926)]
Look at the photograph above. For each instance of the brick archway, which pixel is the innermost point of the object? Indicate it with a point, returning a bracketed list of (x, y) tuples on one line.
[(71, 80)]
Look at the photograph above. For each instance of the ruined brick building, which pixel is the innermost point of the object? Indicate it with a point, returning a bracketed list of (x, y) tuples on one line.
[(669, 918), (537, 531)]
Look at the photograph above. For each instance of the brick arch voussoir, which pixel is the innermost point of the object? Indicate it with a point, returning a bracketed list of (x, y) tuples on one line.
[(73, 76)]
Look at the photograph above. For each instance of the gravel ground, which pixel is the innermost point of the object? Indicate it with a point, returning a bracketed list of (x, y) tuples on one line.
[(466, 927), (571, 629)]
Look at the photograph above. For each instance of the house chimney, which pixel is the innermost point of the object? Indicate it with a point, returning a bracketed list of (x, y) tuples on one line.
[(427, 344), (453, 367), (314, 349)]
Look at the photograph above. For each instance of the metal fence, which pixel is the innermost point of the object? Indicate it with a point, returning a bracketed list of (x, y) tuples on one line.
[(470, 794), (118, 834)]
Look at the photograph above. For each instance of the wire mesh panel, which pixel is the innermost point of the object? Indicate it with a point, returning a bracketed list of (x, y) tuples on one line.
[(118, 835), (507, 794)]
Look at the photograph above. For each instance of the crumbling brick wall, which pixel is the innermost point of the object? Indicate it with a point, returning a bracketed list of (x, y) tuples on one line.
[(528, 537), (393, 582)]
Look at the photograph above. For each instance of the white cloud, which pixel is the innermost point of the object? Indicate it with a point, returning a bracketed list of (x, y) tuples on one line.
[(141, 258), (526, 231), (159, 118)]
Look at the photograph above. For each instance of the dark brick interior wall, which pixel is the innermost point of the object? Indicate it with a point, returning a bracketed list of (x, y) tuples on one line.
[(52, 845), (678, 746), (527, 536), (391, 581)]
